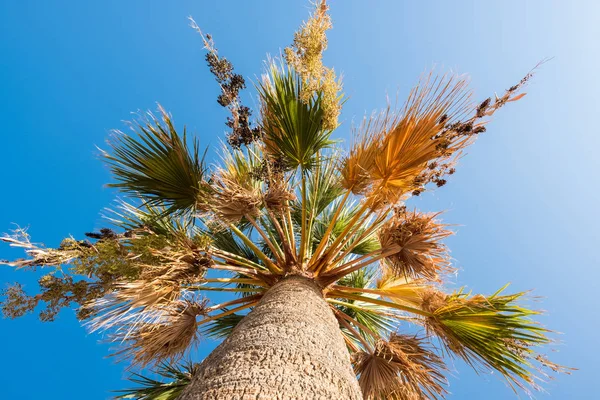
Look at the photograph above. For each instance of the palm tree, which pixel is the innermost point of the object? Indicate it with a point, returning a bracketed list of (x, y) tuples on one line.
[(315, 240)]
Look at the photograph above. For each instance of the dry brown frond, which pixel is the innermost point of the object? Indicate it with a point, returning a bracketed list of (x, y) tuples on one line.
[(416, 137), (418, 235), (158, 286), (129, 302), (432, 300), (464, 132), (278, 195), (232, 202), (165, 338), (357, 165), (398, 155), (182, 265), (400, 369), (68, 250)]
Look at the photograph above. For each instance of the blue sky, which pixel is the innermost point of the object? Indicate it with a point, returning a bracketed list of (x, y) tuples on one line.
[(524, 199)]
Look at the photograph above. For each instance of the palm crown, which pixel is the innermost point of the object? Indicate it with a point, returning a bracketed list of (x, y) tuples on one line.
[(285, 200)]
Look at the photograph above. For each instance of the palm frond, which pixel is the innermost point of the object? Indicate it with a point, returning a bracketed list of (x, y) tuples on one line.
[(174, 380), (224, 239), (150, 218), (415, 138), (157, 285), (158, 164), (401, 290), (400, 368), (371, 319), (222, 327), (167, 335), (232, 202), (418, 236), (392, 151), (293, 129), (492, 331), (243, 166)]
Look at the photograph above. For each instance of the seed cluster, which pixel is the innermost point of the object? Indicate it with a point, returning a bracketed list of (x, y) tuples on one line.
[(242, 131)]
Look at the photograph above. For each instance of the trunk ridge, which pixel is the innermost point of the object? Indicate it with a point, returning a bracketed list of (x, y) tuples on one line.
[(288, 347)]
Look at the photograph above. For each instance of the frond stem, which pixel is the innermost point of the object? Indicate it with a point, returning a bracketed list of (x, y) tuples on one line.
[(228, 312), (342, 293), (225, 289), (330, 227), (234, 280), (276, 250), (356, 334), (332, 250), (303, 238), (234, 302), (368, 330), (356, 264), (236, 259), (289, 255), (268, 262)]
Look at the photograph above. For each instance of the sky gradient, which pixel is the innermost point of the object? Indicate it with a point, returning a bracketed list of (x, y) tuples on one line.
[(524, 199)]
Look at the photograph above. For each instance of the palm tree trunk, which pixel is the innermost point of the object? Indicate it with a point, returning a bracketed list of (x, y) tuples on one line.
[(288, 347)]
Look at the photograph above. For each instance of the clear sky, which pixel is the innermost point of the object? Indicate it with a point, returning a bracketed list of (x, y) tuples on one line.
[(524, 199)]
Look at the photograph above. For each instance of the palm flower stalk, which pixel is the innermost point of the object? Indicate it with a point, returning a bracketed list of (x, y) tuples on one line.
[(312, 239)]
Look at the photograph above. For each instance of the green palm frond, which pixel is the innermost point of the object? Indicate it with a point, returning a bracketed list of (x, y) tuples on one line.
[(242, 166), (323, 186), (158, 164), (154, 218), (222, 327), (224, 239), (491, 331), (365, 246), (293, 129), (371, 318), (174, 380)]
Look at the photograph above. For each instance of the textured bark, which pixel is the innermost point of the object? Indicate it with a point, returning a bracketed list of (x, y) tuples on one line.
[(288, 347)]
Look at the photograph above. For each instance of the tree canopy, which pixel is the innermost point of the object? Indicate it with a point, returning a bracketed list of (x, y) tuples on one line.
[(287, 198)]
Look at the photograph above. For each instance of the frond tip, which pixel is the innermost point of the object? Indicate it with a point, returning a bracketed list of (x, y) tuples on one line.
[(400, 369)]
